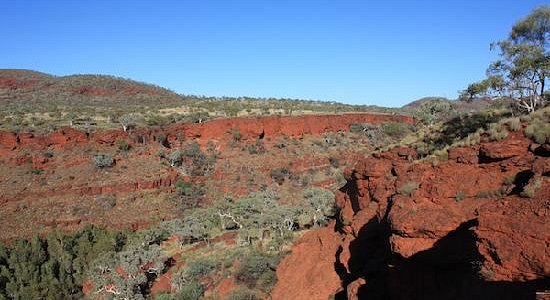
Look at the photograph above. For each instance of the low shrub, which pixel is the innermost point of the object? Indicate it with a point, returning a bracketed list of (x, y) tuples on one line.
[(514, 124), (509, 180), (190, 291), (531, 189), (539, 131), (236, 135), (395, 129), (460, 195), (499, 193), (497, 132), (175, 158), (280, 174), (243, 294), (122, 145), (103, 160), (255, 266), (408, 188), (196, 269)]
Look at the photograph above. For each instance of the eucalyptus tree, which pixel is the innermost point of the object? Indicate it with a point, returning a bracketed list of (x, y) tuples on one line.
[(521, 72)]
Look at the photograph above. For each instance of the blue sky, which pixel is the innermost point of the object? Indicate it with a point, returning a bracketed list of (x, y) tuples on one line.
[(360, 52)]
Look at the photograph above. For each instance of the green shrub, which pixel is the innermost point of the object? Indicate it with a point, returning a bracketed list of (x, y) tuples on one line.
[(497, 132), (531, 189), (499, 193), (175, 158), (103, 160), (395, 129), (514, 124), (122, 145), (35, 171), (509, 180), (254, 266), (190, 291), (162, 140), (198, 268), (539, 131), (280, 174), (460, 195), (408, 188), (257, 148), (243, 294), (236, 135)]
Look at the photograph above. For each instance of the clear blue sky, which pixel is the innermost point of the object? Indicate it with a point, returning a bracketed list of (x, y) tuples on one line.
[(361, 52)]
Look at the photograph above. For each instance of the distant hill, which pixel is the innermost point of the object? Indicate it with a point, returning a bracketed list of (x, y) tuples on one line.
[(462, 106), (36, 87), (33, 100)]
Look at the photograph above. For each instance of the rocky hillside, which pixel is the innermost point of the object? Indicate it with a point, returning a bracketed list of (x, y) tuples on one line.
[(474, 225), (39, 102), (55, 174)]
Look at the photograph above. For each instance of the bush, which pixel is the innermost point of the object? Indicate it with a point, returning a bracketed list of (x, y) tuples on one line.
[(122, 145), (175, 158), (460, 196), (243, 294), (236, 135), (201, 267), (185, 188), (538, 131), (106, 201), (254, 266), (510, 180), (395, 129), (192, 150), (103, 160), (501, 192), (514, 124), (257, 148), (531, 189), (129, 121), (190, 291), (280, 174), (497, 132), (162, 140), (408, 188), (321, 205)]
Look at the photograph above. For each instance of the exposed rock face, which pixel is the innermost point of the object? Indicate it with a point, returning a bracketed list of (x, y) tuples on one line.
[(252, 128), (309, 272), (461, 232)]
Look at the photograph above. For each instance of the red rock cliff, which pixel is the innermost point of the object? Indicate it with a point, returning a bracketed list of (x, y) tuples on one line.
[(455, 230), (249, 127)]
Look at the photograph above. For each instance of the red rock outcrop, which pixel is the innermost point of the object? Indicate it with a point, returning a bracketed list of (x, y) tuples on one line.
[(249, 127), (309, 272), (454, 230)]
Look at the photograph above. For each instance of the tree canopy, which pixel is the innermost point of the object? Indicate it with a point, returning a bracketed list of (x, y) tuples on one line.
[(522, 70)]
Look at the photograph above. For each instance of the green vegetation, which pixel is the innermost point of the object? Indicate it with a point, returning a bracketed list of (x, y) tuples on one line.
[(499, 193), (103, 160), (408, 188), (460, 195), (53, 267), (89, 102), (280, 174), (539, 129), (243, 294), (257, 269), (521, 72), (531, 189), (497, 132)]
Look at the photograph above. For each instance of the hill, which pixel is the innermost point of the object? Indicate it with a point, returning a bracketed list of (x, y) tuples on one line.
[(462, 106), (34, 101)]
